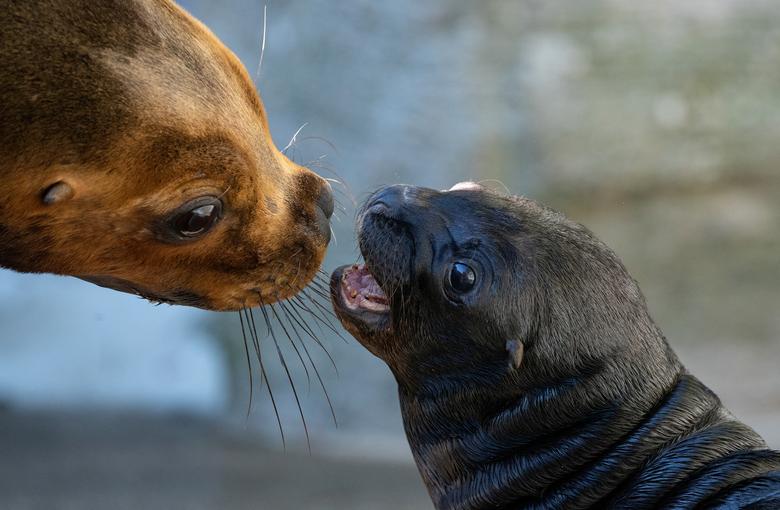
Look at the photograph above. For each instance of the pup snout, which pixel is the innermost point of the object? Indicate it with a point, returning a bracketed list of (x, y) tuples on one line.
[(397, 202)]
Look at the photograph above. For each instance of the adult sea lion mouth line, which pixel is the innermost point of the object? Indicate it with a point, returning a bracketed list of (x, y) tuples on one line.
[(530, 373)]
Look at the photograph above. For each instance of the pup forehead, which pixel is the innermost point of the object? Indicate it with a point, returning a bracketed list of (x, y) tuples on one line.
[(471, 206)]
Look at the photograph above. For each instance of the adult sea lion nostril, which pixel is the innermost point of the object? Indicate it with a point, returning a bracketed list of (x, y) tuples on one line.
[(325, 200)]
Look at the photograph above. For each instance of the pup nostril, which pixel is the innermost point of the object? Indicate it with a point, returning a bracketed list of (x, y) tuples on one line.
[(380, 209), (325, 200), (395, 198)]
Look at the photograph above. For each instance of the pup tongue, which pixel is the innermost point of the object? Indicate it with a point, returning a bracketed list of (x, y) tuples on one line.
[(361, 290)]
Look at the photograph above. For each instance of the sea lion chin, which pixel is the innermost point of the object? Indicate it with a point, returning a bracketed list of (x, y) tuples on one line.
[(135, 153), (530, 373)]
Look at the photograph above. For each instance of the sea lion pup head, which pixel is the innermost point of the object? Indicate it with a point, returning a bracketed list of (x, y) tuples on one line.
[(136, 154), (530, 374), (470, 286), (508, 328)]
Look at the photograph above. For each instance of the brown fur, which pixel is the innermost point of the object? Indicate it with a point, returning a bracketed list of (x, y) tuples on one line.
[(139, 108)]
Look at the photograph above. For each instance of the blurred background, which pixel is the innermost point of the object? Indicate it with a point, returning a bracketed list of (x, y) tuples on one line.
[(654, 123)]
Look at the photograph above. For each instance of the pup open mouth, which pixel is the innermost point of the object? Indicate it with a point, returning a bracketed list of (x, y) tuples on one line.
[(360, 291)]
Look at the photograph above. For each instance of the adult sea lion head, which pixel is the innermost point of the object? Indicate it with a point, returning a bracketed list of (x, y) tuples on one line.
[(135, 153), (472, 287)]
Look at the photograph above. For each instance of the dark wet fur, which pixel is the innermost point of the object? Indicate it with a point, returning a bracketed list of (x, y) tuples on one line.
[(600, 413)]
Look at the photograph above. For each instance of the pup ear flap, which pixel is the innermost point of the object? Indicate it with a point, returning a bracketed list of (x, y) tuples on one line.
[(515, 349)]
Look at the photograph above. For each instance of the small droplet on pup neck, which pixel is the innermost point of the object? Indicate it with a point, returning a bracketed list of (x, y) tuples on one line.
[(516, 351)]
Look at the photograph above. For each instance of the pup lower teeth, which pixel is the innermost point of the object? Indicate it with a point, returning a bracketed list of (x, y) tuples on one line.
[(354, 294)]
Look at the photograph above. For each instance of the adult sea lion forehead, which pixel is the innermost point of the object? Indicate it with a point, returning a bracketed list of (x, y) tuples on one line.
[(530, 372), (135, 153)]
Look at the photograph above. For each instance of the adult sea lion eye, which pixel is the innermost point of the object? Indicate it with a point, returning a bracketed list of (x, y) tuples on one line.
[(462, 277), (198, 220)]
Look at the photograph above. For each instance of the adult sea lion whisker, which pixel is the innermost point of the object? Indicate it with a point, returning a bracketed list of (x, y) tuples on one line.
[(290, 319), (323, 140), (324, 318), (319, 287), (319, 280), (326, 312), (319, 290), (301, 305), (262, 42), (305, 307), (321, 164), (289, 376), (339, 188), (314, 298), (334, 181), (294, 138), (291, 314), (253, 329), (288, 305), (316, 287), (302, 323), (342, 187), (292, 343), (255, 340), (248, 364)]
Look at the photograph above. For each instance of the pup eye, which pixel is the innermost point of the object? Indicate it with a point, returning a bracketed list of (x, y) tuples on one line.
[(199, 219), (462, 277)]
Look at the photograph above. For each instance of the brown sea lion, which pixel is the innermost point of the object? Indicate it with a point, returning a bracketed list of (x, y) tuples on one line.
[(529, 371), (135, 153)]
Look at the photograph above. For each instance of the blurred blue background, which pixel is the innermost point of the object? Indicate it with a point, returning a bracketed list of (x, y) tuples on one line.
[(655, 124)]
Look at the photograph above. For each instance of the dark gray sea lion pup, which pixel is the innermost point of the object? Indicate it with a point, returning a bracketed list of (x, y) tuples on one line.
[(530, 373)]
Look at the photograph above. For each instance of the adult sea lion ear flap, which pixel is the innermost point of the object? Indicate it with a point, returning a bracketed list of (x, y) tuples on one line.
[(60, 191), (516, 351)]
